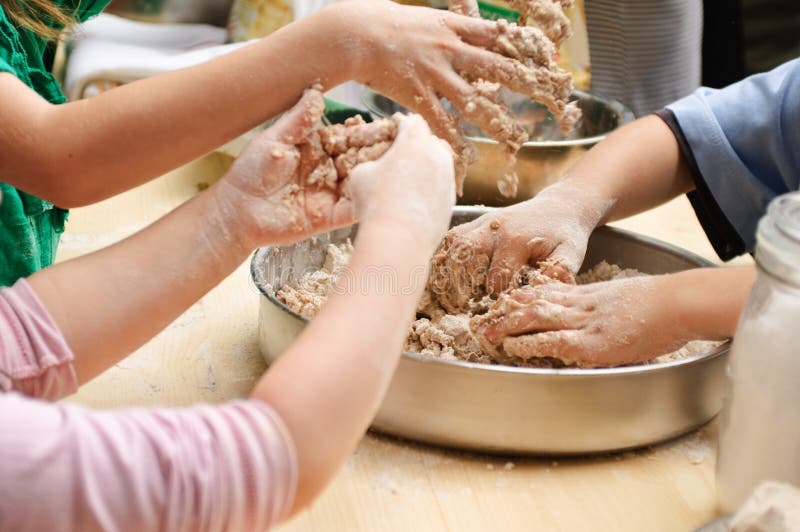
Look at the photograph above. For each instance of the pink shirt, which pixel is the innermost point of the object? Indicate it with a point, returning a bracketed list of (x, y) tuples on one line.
[(65, 467)]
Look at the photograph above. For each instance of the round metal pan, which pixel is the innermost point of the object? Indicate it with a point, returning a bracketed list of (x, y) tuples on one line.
[(510, 410)]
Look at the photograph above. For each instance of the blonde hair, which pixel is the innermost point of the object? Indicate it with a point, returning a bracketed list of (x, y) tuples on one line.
[(42, 17)]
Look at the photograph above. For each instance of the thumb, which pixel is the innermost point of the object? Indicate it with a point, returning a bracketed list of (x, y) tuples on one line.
[(296, 124), (562, 264)]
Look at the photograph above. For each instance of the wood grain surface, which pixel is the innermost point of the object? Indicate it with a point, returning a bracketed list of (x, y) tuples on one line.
[(210, 355)]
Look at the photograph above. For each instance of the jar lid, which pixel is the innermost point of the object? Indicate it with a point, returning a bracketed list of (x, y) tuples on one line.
[(778, 240)]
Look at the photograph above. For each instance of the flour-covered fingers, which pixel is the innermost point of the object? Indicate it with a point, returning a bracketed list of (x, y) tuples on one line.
[(480, 104), (526, 44), (565, 345), (505, 269), (446, 127), (547, 15), (547, 86), (296, 124), (562, 263), (538, 316), (560, 293)]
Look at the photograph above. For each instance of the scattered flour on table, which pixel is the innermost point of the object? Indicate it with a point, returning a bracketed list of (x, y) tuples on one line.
[(436, 332)]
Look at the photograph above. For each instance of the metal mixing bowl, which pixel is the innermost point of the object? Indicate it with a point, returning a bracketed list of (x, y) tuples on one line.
[(521, 410), (541, 161)]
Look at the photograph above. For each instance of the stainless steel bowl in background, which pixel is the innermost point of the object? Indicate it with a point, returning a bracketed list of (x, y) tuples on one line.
[(503, 409), (541, 161)]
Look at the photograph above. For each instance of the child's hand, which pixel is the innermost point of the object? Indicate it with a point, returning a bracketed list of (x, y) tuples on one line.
[(549, 231), (595, 325), (411, 188), (262, 196), (416, 56), (267, 196)]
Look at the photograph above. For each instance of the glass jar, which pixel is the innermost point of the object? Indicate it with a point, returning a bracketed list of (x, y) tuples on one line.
[(760, 423)]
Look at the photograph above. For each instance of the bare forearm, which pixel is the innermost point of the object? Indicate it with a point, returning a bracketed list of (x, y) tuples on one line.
[(139, 131), (110, 302), (709, 301), (346, 357), (634, 169)]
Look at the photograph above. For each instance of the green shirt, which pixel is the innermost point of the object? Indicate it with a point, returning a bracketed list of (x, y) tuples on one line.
[(30, 227)]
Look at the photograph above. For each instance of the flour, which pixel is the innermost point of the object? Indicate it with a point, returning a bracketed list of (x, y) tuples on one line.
[(448, 335), (760, 430), (773, 507)]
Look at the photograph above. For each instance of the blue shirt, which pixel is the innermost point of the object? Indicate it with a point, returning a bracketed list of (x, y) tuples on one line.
[(745, 141)]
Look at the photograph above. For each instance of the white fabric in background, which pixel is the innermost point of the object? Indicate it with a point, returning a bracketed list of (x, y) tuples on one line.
[(109, 48)]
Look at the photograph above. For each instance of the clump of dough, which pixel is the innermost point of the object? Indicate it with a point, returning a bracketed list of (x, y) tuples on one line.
[(450, 335), (548, 15), (532, 71), (330, 153), (309, 293), (327, 155)]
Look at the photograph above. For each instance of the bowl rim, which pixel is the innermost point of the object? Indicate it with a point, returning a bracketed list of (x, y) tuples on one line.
[(626, 116), (261, 253)]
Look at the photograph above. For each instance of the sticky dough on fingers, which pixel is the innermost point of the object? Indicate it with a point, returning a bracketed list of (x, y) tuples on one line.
[(554, 346), (329, 154), (511, 349), (446, 127), (479, 100), (527, 68), (548, 86), (547, 15)]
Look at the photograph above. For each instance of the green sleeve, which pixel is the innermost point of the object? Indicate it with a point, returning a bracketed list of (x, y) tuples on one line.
[(337, 112), (6, 50), (87, 8)]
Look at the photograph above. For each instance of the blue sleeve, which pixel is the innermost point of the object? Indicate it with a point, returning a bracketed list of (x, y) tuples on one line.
[(745, 140)]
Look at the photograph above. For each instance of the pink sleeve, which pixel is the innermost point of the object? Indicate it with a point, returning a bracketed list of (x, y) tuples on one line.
[(64, 467), (34, 357)]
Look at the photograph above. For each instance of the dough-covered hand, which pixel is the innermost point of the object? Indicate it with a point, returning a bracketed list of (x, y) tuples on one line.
[(595, 325), (411, 186), (267, 196), (417, 56), (489, 254)]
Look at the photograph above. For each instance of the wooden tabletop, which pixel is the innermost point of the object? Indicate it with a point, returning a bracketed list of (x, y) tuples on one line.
[(210, 354)]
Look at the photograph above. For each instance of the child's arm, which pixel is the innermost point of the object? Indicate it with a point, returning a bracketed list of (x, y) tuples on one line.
[(110, 302), (347, 355), (237, 465), (625, 321), (81, 152), (637, 167), (734, 149)]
